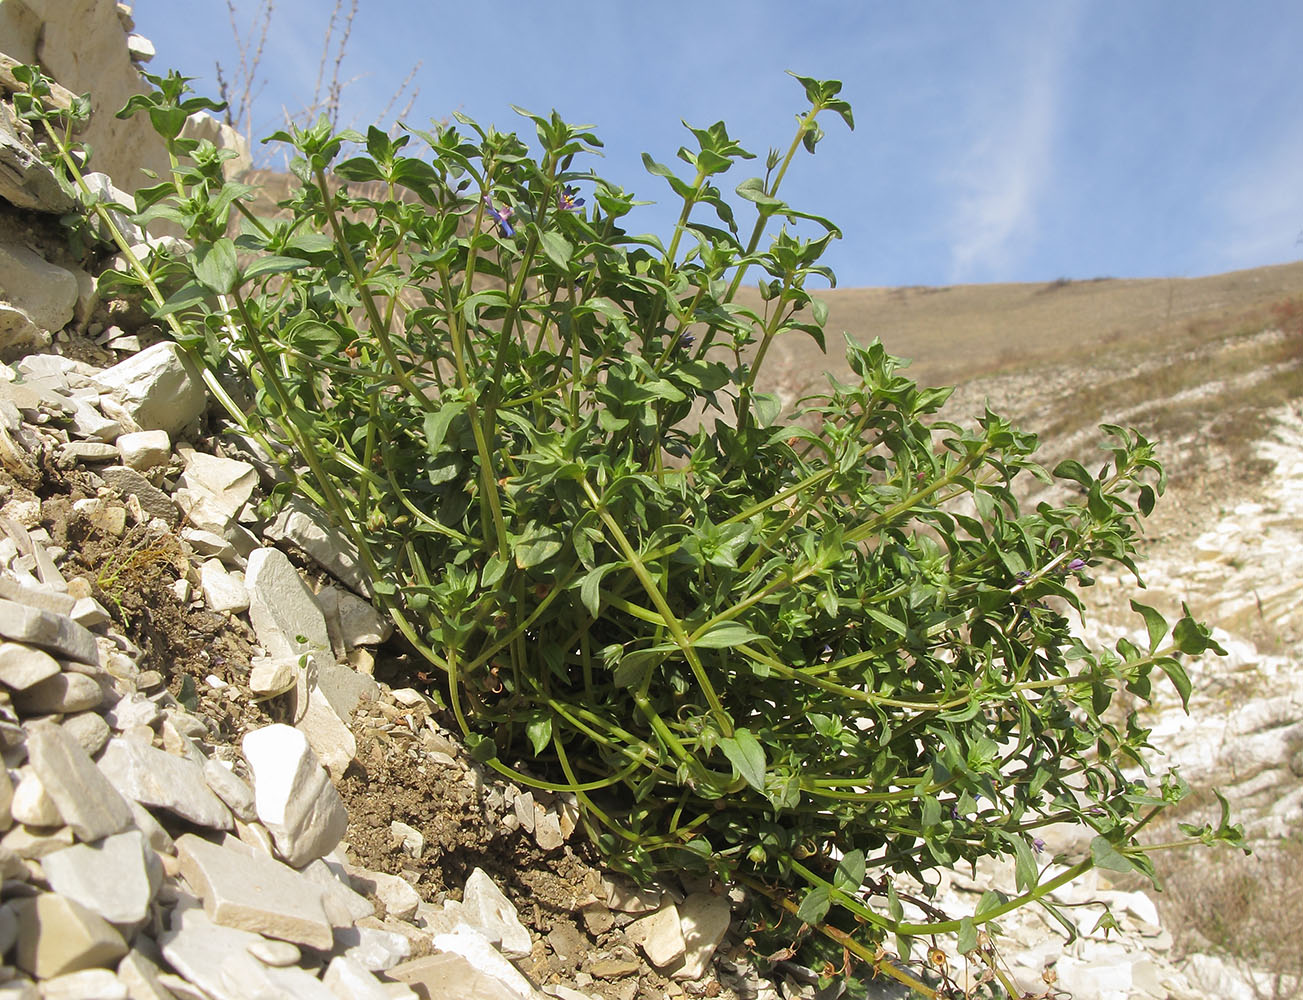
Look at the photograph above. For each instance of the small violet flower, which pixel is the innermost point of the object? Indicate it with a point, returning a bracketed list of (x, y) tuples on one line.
[(502, 216), (683, 342), (566, 200), (1038, 845), (1076, 564)]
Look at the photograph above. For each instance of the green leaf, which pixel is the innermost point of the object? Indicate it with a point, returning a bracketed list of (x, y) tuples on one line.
[(1025, 869), (215, 265), (436, 425), (537, 545), (967, 940), (850, 872), (272, 265), (1179, 678), (1154, 623), (557, 249), (590, 592), (814, 907), (539, 731), (1105, 855), (724, 635), (746, 754)]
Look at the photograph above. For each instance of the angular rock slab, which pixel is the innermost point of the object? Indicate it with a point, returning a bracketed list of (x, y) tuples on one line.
[(21, 665), (293, 794), (217, 960), (57, 935), (282, 608), (255, 893), (157, 389), (45, 292), (486, 909), (705, 919), (448, 976), (86, 799), (57, 634), (660, 936), (157, 778), (115, 878)]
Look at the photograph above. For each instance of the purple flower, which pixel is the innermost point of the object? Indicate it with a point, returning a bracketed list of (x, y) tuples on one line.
[(1038, 845), (683, 342), (1076, 564), (502, 216), (566, 200)]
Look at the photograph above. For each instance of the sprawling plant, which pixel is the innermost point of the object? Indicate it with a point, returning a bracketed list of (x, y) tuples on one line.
[(809, 651)]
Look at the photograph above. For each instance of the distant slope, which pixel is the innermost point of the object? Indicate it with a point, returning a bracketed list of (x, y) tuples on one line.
[(956, 333)]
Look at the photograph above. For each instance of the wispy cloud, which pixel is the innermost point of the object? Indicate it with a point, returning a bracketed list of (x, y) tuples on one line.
[(1004, 173), (1259, 216)]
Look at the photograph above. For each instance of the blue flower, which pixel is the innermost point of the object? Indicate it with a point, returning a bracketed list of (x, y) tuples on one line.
[(502, 216), (1038, 845), (566, 200)]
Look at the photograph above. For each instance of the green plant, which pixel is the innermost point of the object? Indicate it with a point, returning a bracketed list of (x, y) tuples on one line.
[(806, 659)]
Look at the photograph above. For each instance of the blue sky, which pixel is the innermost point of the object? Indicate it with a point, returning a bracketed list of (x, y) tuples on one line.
[(994, 141)]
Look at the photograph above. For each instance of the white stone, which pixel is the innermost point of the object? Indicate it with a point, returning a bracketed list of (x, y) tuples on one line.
[(399, 898), (347, 979), (62, 693), (218, 961), (284, 614), (293, 795), (486, 909), (704, 920), (222, 590), (328, 734), (157, 389), (482, 956), (57, 935), (271, 675), (253, 892), (231, 789), (309, 529), (98, 983), (21, 666), (56, 634), (343, 906), (45, 292), (228, 482), (660, 936), (144, 450), (116, 877), (372, 948), (31, 805), (157, 778), (87, 801)]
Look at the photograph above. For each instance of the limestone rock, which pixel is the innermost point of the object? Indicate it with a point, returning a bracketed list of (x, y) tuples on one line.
[(308, 529), (26, 181), (62, 693), (660, 936), (45, 292), (399, 898), (57, 634), (98, 983), (143, 450), (282, 608), (157, 778), (486, 909), (57, 935), (293, 795), (255, 893), (87, 801), (705, 920), (347, 979), (450, 976), (115, 878), (222, 590), (22, 666), (231, 789), (218, 961), (157, 389)]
